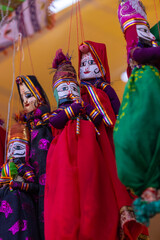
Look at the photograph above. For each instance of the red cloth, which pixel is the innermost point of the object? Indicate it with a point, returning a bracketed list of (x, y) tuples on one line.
[(83, 195), (101, 51), (2, 145)]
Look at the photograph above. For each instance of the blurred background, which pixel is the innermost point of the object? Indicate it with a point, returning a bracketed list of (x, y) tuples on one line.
[(34, 53)]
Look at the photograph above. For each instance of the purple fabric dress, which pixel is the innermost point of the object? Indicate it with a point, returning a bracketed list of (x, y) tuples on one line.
[(17, 207)]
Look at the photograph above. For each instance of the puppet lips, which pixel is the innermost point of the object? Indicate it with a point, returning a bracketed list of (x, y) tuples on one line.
[(27, 105), (87, 72)]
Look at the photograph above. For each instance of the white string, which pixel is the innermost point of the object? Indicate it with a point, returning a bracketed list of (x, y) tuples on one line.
[(20, 46), (9, 103)]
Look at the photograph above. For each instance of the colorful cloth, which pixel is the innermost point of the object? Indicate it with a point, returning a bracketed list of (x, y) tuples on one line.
[(17, 206), (41, 137), (18, 215), (136, 133), (83, 194)]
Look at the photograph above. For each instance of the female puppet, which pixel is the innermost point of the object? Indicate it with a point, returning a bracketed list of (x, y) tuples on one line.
[(36, 107), (17, 186), (2, 142), (95, 81), (80, 197), (137, 131)]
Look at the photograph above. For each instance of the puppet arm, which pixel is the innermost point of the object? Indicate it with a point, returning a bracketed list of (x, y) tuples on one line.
[(145, 55), (93, 114), (106, 87), (59, 119), (26, 187)]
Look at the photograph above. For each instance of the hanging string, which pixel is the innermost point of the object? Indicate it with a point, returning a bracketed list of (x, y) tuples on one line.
[(10, 98), (77, 23), (20, 48), (81, 23), (29, 52), (69, 39), (157, 17)]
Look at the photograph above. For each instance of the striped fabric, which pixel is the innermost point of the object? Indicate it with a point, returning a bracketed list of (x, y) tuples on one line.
[(98, 105), (69, 112)]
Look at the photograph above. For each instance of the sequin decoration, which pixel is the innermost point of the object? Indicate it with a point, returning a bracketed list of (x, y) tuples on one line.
[(43, 144), (5, 208), (34, 134), (42, 179), (20, 225)]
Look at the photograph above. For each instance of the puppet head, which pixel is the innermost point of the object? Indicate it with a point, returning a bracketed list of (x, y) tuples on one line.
[(18, 142), (65, 82), (93, 62), (31, 93), (133, 21)]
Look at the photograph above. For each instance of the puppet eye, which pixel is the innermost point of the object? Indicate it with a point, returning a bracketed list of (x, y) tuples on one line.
[(64, 88), (28, 95), (83, 64), (91, 62)]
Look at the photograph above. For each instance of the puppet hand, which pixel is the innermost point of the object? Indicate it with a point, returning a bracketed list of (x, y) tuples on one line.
[(76, 108), (93, 114)]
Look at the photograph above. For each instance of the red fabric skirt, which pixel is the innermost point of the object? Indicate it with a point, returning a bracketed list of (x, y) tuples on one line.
[(83, 195)]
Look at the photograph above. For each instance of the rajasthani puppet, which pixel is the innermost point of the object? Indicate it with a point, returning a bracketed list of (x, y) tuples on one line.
[(17, 185), (84, 198), (137, 130), (95, 83), (36, 107)]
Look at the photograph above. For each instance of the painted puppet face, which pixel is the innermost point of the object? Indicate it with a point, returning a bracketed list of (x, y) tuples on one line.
[(144, 33), (29, 101), (16, 150), (89, 69), (67, 88)]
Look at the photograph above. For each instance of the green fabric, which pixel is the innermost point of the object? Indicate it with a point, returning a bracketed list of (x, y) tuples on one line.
[(13, 170), (155, 31), (137, 131)]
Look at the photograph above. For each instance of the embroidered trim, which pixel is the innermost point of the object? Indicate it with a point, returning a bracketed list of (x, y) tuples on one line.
[(52, 114), (17, 139), (133, 21), (45, 116), (143, 237), (94, 114), (126, 215), (69, 112), (24, 186), (99, 105), (61, 80), (28, 175), (104, 85)]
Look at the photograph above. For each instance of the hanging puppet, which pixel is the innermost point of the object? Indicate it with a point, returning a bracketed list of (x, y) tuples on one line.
[(137, 130), (17, 186), (95, 81), (84, 198), (2, 142), (37, 108)]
